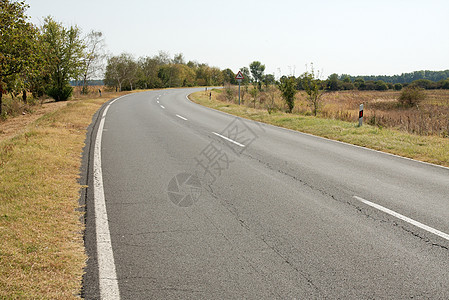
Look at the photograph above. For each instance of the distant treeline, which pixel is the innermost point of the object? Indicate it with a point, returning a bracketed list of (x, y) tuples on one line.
[(123, 72), (434, 76)]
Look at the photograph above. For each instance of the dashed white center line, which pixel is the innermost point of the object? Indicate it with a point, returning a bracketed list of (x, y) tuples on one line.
[(158, 102), (228, 139), (162, 106), (404, 218), (181, 117)]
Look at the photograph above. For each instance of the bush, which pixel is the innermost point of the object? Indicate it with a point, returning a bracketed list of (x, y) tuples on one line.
[(60, 94), (398, 87), (380, 85), (445, 84), (411, 96), (425, 84)]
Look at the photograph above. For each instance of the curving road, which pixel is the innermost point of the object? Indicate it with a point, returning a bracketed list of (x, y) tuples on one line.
[(200, 204)]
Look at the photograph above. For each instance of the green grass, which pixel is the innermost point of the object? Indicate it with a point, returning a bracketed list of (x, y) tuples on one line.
[(431, 149)]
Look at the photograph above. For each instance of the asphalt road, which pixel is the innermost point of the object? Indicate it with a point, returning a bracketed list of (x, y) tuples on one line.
[(201, 204)]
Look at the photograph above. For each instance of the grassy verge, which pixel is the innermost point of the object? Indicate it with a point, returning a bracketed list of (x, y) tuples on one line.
[(42, 252), (431, 149)]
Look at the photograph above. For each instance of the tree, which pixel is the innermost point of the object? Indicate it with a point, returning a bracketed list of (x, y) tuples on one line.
[(179, 59), (380, 85), (269, 79), (287, 86), (19, 49), (216, 76), (257, 70), (311, 84), (147, 73), (229, 76), (333, 83), (246, 75), (92, 64), (119, 70), (65, 53)]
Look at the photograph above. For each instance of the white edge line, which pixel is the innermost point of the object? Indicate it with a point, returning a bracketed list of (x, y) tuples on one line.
[(181, 117), (320, 137), (404, 218), (228, 139), (108, 281), (163, 107)]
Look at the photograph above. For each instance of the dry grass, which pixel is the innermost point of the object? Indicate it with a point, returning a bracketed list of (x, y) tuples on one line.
[(433, 149), (42, 252), (381, 109)]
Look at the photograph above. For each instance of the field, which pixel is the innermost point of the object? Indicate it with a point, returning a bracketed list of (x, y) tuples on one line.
[(339, 120), (381, 108)]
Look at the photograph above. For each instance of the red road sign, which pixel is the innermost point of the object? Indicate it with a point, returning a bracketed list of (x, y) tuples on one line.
[(239, 76)]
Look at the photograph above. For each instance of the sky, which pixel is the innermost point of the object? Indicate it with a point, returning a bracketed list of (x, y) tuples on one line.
[(355, 37)]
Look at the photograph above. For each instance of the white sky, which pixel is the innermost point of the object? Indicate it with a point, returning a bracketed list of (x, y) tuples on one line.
[(357, 37)]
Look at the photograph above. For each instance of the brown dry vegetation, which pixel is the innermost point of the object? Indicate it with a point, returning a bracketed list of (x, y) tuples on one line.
[(381, 108), (42, 252)]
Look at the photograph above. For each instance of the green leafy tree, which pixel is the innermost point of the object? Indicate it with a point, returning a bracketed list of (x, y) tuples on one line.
[(229, 76), (120, 70), (147, 73), (381, 85), (269, 79), (19, 47), (257, 70), (333, 83), (65, 53), (287, 86), (246, 75), (312, 85)]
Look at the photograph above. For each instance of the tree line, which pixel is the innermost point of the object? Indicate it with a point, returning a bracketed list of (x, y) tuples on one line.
[(43, 60), (434, 76), (123, 72)]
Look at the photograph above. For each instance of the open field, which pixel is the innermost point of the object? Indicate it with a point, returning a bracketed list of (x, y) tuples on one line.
[(381, 108), (432, 148), (42, 252)]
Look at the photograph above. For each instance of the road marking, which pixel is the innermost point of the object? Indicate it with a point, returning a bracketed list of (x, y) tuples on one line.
[(158, 102), (181, 117), (404, 218), (228, 139), (163, 107), (324, 138), (106, 266)]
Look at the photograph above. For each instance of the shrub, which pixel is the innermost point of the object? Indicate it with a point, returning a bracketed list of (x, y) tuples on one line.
[(398, 87), (60, 94), (411, 96)]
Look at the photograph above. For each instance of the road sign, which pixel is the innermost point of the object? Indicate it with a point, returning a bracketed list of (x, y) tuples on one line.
[(239, 76)]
